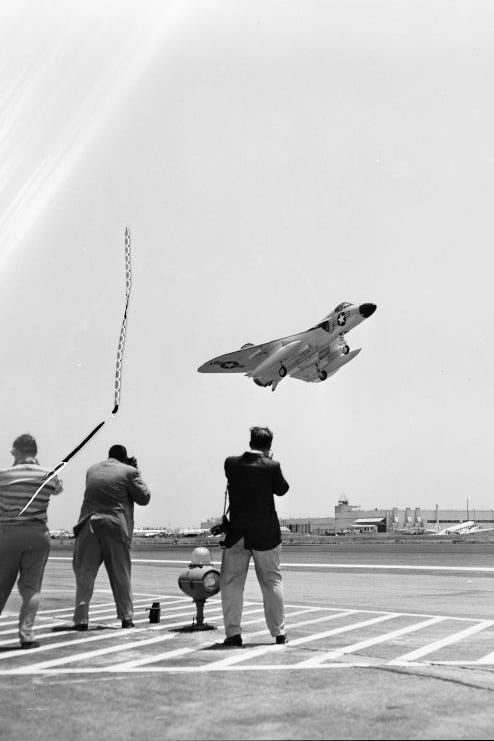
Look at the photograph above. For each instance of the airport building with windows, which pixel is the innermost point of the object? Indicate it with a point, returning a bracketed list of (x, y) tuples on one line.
[(351, 518)]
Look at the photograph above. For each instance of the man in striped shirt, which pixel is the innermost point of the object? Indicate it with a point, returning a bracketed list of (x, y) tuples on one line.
[(24, 540)]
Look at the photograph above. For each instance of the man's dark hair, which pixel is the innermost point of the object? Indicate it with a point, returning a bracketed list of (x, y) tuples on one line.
[(261, 438), (25, 444), (119, 452)]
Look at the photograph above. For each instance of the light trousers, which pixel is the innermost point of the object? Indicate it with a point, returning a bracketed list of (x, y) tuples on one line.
[(234, 569), (90, 551), (24, 552)]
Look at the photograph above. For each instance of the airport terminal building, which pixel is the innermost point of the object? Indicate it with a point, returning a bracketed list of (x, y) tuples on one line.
[(351, 518)]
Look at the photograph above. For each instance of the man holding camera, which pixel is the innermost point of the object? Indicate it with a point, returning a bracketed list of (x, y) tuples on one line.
[(104, 533), (253, 531)]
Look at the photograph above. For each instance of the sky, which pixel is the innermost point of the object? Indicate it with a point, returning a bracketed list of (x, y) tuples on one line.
[(272, 158)]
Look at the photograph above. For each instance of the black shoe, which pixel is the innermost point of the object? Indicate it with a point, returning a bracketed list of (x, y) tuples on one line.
[(128, 624), (233, 640), (80, 626), (281, 640), (30, 644)]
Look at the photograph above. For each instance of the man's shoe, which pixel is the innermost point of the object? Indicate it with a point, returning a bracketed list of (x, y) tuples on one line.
[(233, 640), (281, 640), (80, 627), (128, 624), (30, 644)]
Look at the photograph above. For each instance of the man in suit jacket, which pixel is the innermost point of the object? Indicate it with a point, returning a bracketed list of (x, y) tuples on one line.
[(104, 532), (254, 531)]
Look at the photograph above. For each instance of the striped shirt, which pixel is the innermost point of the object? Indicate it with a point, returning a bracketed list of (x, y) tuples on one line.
[(17, 486)]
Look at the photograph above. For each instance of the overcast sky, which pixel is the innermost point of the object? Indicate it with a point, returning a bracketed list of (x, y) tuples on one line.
[(272, 158)]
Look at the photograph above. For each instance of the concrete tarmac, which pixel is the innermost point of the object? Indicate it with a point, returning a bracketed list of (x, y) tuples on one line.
[(380, 648)]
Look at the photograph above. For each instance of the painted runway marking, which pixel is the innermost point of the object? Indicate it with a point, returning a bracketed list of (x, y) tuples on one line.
[(128, 665), (93, 654), (119, 651), (360, 645), (309, 565), (488, 659), (447, 641), (96, 610), (255, 652), (109, 635), (96, 606)]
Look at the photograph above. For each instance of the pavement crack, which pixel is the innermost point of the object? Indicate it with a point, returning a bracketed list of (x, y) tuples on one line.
[(408, 672)]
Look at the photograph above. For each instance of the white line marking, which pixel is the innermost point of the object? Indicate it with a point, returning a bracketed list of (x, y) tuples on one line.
[(112, 628), (92, 654), (488, 659), (436, 645), (129, 665), (187, 669), (255, 652), (96, 605), (104, 635), (382, 567), (115, 634), (339, 652), (74, 657), (95, 611)]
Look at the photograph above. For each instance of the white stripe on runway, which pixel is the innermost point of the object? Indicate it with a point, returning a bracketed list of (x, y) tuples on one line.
[(129, 665), (441, 643), (488, 659), (96, 605), (100, 610), (377, 566), (104, 635), (255, 652), (339, 652), (112, 634), (75, 657), (92, 654), (191, 669)]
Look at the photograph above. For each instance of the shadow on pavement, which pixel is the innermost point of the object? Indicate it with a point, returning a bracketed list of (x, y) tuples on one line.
[(91, 628), (222, 647)]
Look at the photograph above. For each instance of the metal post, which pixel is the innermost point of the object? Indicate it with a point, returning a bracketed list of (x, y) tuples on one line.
[(200, 612)]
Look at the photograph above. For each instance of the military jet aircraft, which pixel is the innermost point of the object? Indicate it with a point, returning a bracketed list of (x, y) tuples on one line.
[(312, 356)]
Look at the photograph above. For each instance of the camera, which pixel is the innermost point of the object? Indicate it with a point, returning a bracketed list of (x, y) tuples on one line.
[(221, 526), (132, 462)]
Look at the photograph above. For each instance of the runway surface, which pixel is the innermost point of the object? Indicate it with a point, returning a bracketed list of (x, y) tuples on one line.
[(369, 635)]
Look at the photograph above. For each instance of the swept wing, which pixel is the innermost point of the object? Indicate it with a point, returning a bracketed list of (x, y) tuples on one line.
[(244, 360)]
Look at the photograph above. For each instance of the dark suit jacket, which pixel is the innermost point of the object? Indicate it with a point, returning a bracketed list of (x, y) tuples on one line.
[(252, 480), (111, 490)]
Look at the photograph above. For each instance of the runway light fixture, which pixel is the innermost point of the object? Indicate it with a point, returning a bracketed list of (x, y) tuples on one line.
[(200, 581)]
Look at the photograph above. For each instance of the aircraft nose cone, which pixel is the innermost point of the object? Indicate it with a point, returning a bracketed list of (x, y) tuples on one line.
[(367, 310)]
